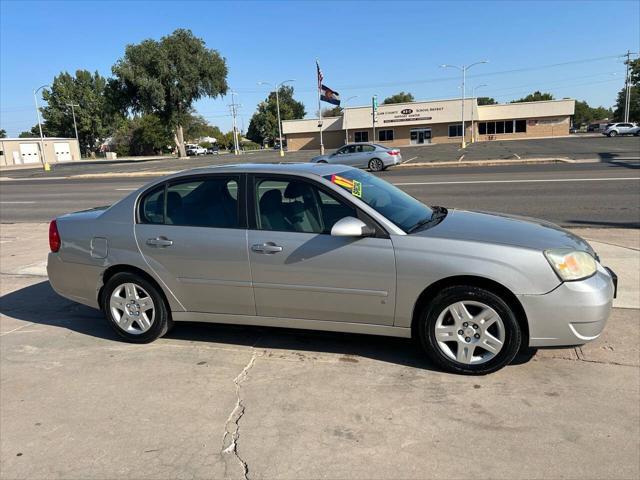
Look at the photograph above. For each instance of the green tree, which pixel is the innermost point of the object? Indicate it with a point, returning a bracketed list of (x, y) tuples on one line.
[(93, 117), (165, 77), (634, 107), (142, 135), (585, 114), (197, 127), (264, 122), (3, 133), (401, 97), (35, 132), (486, 101), (332, 112), (536, 96)]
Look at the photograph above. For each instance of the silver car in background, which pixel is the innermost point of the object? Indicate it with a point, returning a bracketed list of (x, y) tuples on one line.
[(616, 129), (329, 247), (363, 155)]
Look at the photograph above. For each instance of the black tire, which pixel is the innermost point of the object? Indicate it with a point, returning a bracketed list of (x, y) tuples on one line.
[(376, 165), (321, 161), (450, 295), (612, 134), (161, 323)]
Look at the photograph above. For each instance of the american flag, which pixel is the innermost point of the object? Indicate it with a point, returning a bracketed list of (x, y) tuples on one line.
[(320, 77)]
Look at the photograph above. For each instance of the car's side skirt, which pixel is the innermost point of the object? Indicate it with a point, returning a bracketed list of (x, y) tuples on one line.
[(301, 323)]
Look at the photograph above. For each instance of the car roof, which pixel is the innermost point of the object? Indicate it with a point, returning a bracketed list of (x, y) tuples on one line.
[(319, 169)]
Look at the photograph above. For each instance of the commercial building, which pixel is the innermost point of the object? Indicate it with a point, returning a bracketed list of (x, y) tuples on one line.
[(25, 151), (418, 123)]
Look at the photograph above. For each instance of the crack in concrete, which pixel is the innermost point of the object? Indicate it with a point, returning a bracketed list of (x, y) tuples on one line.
[(232, 425)]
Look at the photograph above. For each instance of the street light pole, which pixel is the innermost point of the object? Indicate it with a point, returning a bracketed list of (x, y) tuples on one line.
[(73, 113), (473, 102), (463, 69), (45, 164), (344, 119), (277, 87)]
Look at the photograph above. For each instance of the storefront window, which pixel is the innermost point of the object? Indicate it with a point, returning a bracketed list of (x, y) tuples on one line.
[(508, 126), (361, 137), (521, 126), (385, 135), (455, 130)]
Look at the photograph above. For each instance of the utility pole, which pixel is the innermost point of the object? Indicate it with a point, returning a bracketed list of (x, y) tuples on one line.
[(234, 112), (45, 164), (75, 127), (463, 69), (627, 85)]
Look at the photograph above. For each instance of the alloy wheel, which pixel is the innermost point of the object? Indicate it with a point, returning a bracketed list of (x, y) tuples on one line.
[(132, 308), (470, 332), (376, 165)]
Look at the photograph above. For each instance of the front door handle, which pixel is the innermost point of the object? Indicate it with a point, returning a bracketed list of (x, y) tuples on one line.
[(159, 242), (266, 248)]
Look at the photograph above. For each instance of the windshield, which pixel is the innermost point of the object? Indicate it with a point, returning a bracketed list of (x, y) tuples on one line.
[(402, 209)]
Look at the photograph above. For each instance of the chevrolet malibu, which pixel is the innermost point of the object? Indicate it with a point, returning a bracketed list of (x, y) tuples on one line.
[(330, 247)]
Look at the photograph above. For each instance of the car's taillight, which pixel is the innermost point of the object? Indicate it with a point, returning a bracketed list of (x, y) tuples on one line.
[(54, 236), (394, 152)]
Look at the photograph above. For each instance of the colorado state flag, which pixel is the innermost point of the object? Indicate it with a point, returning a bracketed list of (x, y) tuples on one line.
[(329, 96)]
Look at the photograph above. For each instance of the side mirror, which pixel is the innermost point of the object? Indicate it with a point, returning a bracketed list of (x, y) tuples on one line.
[(351, 227)]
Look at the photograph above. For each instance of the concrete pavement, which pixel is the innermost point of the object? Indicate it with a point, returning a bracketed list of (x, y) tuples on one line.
[(208, 401)]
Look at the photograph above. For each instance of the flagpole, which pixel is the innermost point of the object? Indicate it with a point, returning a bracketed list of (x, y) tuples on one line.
[(319, 107)]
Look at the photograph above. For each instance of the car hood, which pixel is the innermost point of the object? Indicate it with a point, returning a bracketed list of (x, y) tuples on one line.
[(504, 229)]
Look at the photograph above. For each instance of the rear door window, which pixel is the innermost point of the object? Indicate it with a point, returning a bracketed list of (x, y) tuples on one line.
[(203, 202)]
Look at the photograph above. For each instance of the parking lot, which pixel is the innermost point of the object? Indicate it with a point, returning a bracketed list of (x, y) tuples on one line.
[(216, 401)]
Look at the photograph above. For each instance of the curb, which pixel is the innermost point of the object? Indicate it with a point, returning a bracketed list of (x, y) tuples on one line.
[(484, 163)]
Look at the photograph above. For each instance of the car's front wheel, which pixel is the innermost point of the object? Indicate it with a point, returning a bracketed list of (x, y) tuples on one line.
[(469, 330), (135, 308), (612, 134)]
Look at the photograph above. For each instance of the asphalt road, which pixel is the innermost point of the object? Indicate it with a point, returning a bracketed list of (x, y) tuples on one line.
[(575, 147), (600, 194)]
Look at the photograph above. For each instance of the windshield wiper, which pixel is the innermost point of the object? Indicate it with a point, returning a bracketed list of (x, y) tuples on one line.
[(436, 217)]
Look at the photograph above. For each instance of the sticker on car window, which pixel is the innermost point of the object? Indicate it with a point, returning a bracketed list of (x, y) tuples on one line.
[(357, 189), (354, 186), (343, 182)]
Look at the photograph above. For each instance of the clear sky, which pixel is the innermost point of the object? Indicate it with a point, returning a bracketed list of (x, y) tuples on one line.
[(365, 48)]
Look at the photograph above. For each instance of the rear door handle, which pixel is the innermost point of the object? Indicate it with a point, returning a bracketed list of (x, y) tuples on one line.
[(266, 248), (159, 242)]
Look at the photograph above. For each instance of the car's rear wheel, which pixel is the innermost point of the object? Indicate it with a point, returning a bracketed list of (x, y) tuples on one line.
[(469, 330), (612, 134), (135, 308), (376, 165)]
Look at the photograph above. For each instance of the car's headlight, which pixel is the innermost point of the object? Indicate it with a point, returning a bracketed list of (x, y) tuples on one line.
[(571, 264)]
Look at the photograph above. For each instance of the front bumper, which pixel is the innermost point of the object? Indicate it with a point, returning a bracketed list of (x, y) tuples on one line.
[(574, 313)]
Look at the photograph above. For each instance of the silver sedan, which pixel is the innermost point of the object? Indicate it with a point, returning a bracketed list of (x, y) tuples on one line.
[(329, 247), (363, 155)]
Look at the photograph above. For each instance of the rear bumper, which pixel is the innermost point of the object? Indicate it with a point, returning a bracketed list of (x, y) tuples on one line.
[(392, 160), (572, 314)]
